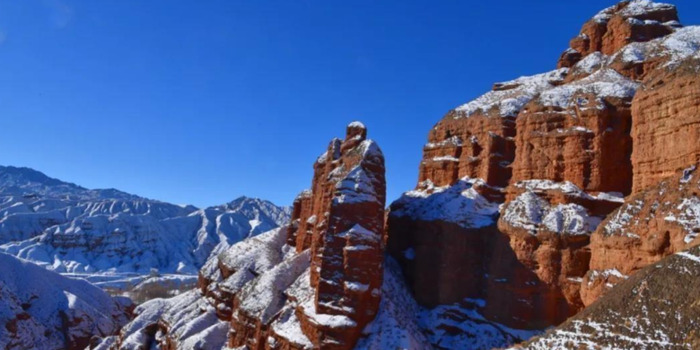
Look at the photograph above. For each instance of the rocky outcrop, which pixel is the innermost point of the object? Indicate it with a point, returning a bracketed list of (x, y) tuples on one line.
[(548, 226), (613, 28), (40, 309), (315, 283), (475, 140), (666, 123), (660, 221), (513, 184), (656, 308), (346, 221), (578, 132)]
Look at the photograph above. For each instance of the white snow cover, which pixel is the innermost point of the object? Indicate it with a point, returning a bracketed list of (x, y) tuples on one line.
[(602, 83), (688, 218), (258, 254), (590, 63), (264, 297), (460, 204), (633, 9), (69, 229), (452, 141), (532, 213), (44, 298), (683, 43), (622, 217), (356, 187), (287, 325), (192, 323), (357, 124), (570, 189), (395, 326), (509, 102)]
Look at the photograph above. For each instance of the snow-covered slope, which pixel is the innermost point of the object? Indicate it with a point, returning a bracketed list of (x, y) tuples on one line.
[(272, 281), (40, 309), (70, 229), (656, 308)]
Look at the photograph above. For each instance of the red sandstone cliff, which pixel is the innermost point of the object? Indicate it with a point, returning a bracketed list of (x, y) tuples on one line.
[(328, 283), (533, 200), (313, 284), (652, 224), (512, 184)]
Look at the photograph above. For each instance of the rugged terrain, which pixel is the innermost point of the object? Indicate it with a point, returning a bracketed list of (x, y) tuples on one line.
[(40, 309), (116, 239), (656, 308), (565, 198), (514, 185), (315, 283)]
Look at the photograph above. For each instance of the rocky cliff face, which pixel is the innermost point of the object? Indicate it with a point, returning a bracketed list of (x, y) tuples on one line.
[(513, 184), (533, 201), (40, 309), (666, 113), (613, 28), (339, 223), (314, 284), (655, 223)]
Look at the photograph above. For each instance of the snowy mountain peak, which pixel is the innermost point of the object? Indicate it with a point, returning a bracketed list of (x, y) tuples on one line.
[(68, 228), (27, 182)]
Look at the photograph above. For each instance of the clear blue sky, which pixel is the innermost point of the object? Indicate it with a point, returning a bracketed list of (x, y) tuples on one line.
[(202, 101)]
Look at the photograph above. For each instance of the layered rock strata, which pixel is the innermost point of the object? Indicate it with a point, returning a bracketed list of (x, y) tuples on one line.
[(315, 283), (512, 184), (619, 25), (666, 121), (660, 221)]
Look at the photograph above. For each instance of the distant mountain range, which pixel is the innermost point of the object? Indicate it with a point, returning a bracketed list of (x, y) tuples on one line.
[(70, 229)]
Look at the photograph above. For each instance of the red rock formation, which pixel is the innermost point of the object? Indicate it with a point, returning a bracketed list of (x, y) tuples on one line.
[(315, 283), (476, 140), (547, 225), (666, 124), (346, 224), (567, 129), (578, 132), (651, 225), (619, 25)]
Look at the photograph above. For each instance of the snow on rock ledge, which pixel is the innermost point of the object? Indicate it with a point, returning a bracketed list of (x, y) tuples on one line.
[(460, 203)]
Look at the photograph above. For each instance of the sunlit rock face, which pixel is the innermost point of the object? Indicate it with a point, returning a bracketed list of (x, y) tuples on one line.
[(666, 123), (615, 27), (650, 225), (513, 184), (315, 283)]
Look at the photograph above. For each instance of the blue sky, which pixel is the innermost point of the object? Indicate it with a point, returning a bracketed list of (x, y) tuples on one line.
[(203, 101)]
